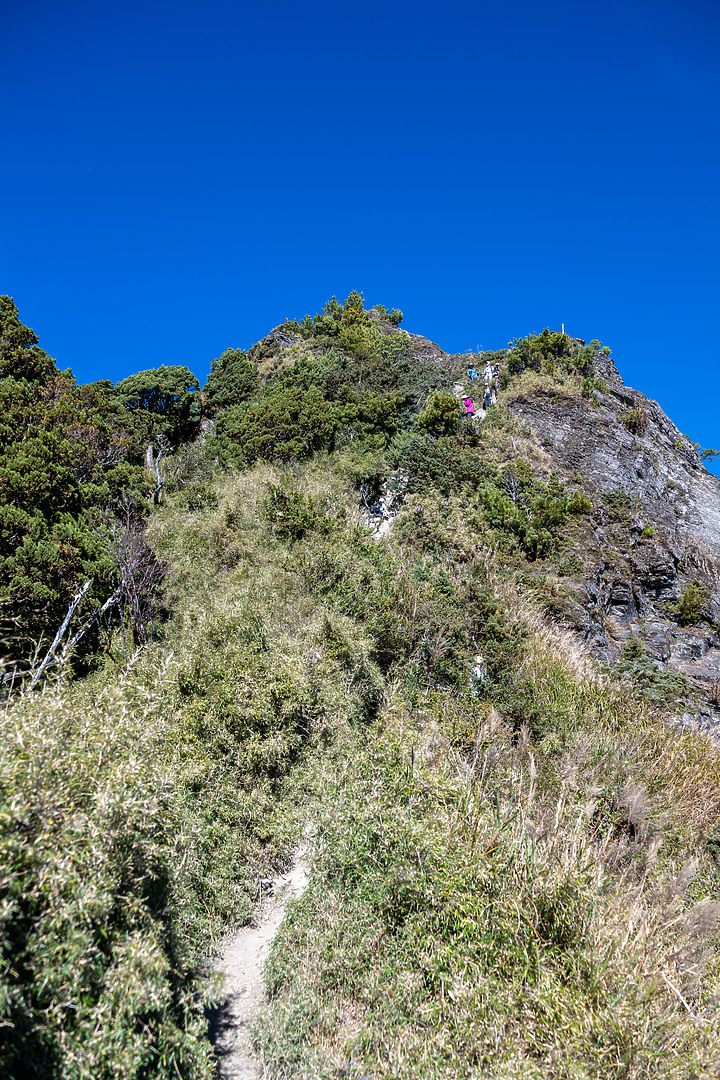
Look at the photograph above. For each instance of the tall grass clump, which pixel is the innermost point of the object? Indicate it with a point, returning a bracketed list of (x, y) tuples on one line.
[(95, 979)]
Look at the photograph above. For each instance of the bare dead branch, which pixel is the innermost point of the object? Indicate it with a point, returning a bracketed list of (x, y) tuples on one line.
[(37, 675)]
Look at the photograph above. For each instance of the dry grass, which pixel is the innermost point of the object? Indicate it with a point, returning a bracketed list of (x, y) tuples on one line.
[(530, 383)]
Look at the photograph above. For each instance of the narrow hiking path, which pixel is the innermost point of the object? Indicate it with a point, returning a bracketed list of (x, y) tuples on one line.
[(241, 963)]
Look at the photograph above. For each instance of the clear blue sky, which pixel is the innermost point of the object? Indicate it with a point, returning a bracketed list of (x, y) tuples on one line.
[(178, 178)]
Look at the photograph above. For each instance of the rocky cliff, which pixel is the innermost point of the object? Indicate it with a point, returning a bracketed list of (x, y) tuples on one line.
[(655, 536)]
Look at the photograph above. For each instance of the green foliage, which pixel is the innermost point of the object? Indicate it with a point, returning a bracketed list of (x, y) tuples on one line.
[(361, 384), (650, 680), (20, 358), (440, 416), (619, 505), (232, 380), (394, 316), (635, 420), (61, 465), (446, 465), (197, 495), (538, 352), (283, 425), (291, 515), (693, 605), (529, 510), (93, 981), (593, 385), (549, 353), (161, 401)]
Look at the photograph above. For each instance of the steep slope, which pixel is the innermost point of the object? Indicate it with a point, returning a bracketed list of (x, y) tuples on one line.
[(656, 526), (513, 854), (635, 578)]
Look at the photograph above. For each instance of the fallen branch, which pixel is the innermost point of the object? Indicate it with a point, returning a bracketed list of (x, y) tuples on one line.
[(37, 675), (111, 600), (51, 658)]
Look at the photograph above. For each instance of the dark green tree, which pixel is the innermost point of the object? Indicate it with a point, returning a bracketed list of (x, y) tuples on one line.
[(232, 380), (440, 416), (161, 401), (284, 425), (20, 357), (62, 465)]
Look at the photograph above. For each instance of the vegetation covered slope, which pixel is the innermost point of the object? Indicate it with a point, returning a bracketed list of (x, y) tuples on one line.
[(514, 856)]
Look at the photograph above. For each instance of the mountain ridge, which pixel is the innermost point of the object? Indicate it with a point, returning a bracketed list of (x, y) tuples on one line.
[(470, 717)]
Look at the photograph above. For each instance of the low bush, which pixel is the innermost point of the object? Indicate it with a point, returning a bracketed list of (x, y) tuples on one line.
[(551, 353), (693, 605), (283, 425), (440, 416), (291, 515), (95, 981), (619, 506), (650, 680), (635, 420)]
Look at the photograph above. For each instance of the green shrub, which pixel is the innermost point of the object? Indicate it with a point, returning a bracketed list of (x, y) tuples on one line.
[(592, 385), (394, 316), (635, 420), (551, 353), (198, 495), (445, 464), (291, 515), (650, 680), (440, 416), (529, 354), (531, 511), (95, 978), (693, 605), (619, 504), (232, 380), (283, 425)]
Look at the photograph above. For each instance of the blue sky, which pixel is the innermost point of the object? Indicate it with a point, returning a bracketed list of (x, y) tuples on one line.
[(178, 178)]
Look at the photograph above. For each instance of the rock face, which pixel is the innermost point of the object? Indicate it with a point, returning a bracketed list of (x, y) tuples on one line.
[(626, 442), (656, 524)]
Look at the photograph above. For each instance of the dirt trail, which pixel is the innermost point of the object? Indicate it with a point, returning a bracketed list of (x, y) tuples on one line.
[(241, 962)]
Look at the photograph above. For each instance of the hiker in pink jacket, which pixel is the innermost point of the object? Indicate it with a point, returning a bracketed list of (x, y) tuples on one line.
[(469, 407)]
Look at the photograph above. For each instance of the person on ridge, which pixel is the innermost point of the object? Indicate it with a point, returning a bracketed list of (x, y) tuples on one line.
[(487, 397), (488, 373), (469, 407), (377, 513), (472, 374)]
